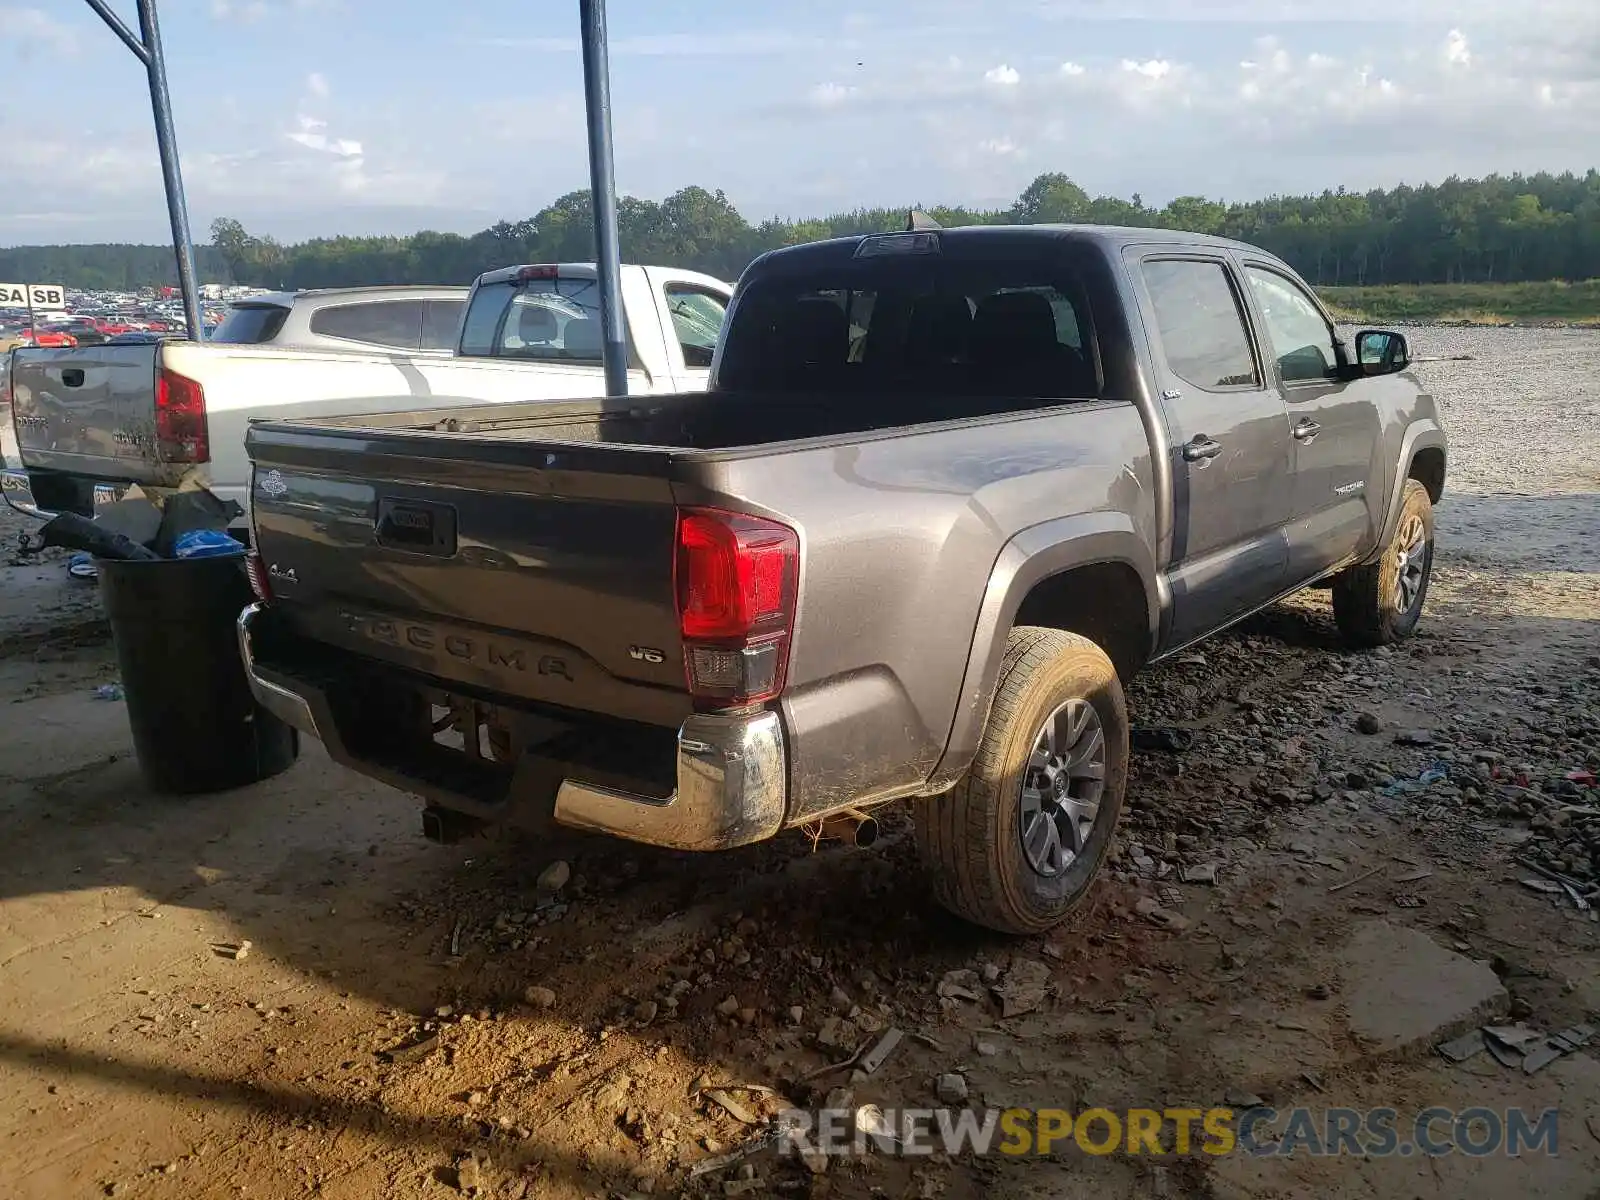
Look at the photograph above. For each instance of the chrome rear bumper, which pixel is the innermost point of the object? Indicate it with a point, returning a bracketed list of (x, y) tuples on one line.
[(18, 489), (731, 774)]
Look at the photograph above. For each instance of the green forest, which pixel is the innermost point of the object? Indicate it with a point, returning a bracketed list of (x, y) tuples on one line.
[(1499, 230)]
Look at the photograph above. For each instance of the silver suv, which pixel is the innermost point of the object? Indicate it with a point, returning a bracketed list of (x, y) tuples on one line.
[(415, 320)]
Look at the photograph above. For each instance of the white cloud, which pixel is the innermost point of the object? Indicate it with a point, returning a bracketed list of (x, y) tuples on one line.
[(1001, 147), (317, 85), (1003, 75), (1071, 69), (1456, 51), (311, 135), (1154, 68)]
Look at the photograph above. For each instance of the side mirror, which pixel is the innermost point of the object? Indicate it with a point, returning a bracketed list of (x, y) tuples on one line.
[(1381, 352)]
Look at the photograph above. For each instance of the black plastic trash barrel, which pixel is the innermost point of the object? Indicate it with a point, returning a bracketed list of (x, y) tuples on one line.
[(196, 727)]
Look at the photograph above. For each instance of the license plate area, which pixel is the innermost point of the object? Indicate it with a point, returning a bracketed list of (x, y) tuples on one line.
[(417, 525)]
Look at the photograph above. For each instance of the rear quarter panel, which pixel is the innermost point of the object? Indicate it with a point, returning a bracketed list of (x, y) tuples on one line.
[(900, 535)]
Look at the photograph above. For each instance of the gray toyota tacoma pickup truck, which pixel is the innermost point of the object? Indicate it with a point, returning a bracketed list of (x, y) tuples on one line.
[(948, 490)]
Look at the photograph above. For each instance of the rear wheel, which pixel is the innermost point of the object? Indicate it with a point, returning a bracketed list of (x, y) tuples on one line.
[(1381, 602), (1015, 845)]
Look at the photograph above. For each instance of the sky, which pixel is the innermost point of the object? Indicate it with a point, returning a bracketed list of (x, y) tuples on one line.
[(318, 117)]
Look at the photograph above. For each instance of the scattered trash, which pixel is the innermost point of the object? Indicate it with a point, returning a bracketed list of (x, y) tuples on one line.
[(1170, 897), (1313, 1081), (82, 566), (1414, 737), (732, 1107), (1581, 778), (415, 1052), (960, 984), (951, 1088), (1240, 1099), (1339, 887), (1407, 900), (1433, 774), (455, 937), (1160, 737), (1541, 1058), (1414, 876), (235, 952), (206, 543), (108, 691), (1023, 988), (879, 1054), (1548, 886), (1464, 1047), (1198, 873), (719, 1162)]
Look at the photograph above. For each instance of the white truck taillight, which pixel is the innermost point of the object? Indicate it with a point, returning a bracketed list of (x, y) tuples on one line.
[(182, 432), (735, 578)]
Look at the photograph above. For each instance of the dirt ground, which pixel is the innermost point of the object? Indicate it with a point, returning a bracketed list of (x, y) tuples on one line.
[(414, 1020)]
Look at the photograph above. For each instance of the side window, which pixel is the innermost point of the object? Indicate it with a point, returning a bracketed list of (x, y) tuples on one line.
[(1300, 337), (696, 320), (393, 323), (1202, 325), (440, 321)]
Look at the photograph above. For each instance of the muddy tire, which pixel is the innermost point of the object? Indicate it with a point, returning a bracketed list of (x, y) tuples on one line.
[(1015, 845), (1380, 603)]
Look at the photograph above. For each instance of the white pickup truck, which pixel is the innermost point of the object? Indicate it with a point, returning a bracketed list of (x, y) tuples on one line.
[(91, 420)]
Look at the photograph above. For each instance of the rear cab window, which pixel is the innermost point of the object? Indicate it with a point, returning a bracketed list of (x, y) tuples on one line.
[(250, 324), (555, 320), (923, 324)]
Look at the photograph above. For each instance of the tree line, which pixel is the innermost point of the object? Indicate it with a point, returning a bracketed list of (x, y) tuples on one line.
[(1499, 229)]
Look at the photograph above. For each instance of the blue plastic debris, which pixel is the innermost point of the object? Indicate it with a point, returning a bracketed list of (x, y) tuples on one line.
[(206, 543)]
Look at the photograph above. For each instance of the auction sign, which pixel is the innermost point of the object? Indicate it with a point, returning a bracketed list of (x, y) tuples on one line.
[(32, 295)]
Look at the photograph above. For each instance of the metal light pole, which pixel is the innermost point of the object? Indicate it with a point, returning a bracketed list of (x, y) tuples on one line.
[(146, 48), (603, 191)]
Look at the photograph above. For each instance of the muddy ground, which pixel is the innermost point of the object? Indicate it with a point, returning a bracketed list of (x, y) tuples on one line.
[(414, 1020)]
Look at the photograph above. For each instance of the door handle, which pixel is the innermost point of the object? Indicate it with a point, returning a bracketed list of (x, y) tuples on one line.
[(1201, 449), (1305, 430)]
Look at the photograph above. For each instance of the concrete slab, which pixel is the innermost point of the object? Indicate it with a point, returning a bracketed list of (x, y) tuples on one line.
[(1404, 992)]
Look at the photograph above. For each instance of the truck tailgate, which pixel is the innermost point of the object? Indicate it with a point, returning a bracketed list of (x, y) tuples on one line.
[(554, 563), (88, 410)]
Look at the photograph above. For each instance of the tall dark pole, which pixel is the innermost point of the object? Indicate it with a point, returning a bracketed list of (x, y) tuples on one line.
[(146, 47), (603, 190)]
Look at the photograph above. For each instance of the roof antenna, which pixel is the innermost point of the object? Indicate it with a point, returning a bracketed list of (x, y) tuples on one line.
[(917, 220)]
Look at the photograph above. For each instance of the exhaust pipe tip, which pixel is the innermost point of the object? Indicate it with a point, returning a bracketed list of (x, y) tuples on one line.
[(852, 827)]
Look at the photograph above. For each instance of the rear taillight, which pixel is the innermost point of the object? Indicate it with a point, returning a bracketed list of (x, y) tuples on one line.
[(182, 432), (735, 577), (260, 582)]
